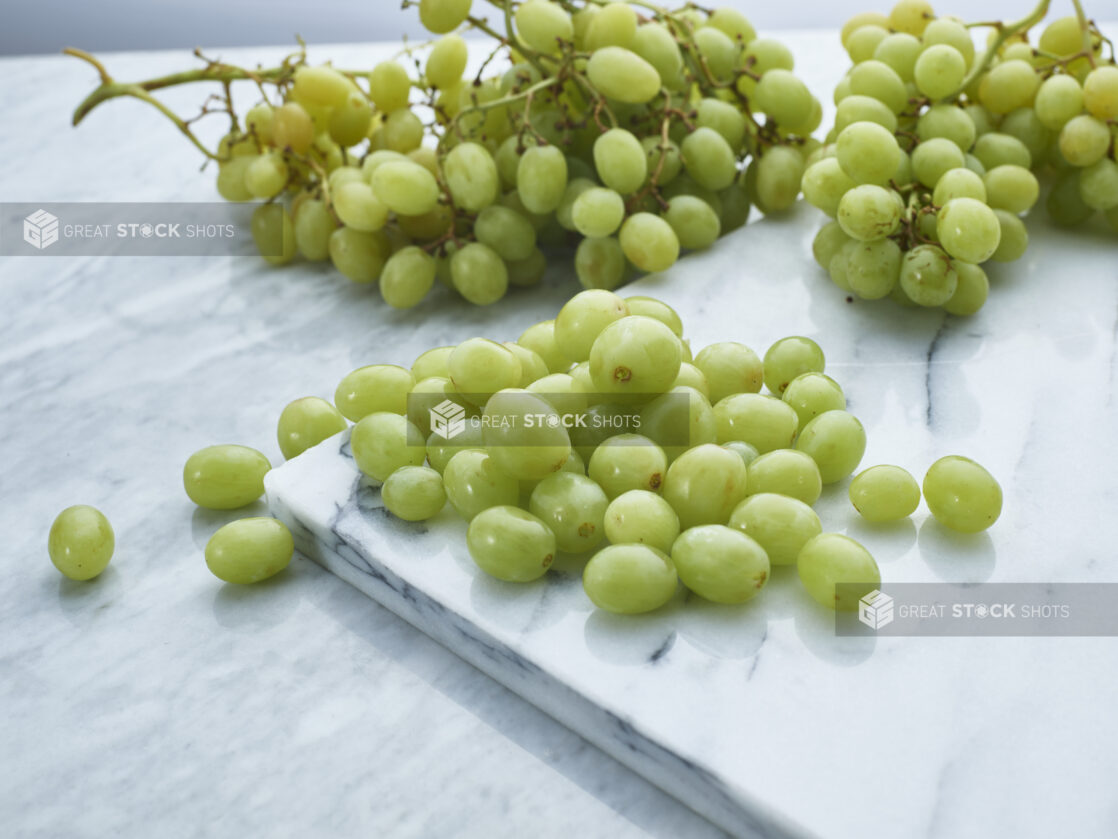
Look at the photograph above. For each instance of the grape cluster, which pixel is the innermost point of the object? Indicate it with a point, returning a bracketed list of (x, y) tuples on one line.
[(930, 164), (626, 129)]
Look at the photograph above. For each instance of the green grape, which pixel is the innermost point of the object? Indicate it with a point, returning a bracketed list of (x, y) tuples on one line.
[(305, 423), (572, 465), (527, 272), (564, 212), (614, 26), (968, 229), (407, 277), (708, 159), (428, 394), (597, 212), (836, 441), (733, 23), (899, 50), (377, 159), (759, 56), (225, 477), (949, 122), (1013, 237), (1065, 204), (81, 542), (541, 178), (655, 44), (855, 108), (471, 176), (649, 242), (720, 563), (479, 274), (479, 368), (405, 187), (996, 149), (1008, 86), (249, 550), (939, 71), (695, 223), (972, 289), (384, 442), (402, 131), (506, 231), (350, 121), (948, 31), (524, 435), (678, 420), (540, 338), (563, 393), (542, 25), (658, 309), (778, 173), (884, 493), (837, 270), (730, 368), (867, 153), (721, 117), (780, 524), (574, 508), (933, 158), (258, 122), (414, 493), (373, 389), (788, 358), (766, 423), (532, 366), (691, 376), (747, 453), (273, 233), (959, 183), (783, 97), (831, 559), (859, 20), (440, 16), (641, 517), (669, 167), (718, 51), (623, 75), (828, 241), (231, 177), (1011, 188), (872, 268), (1100, 92), (474, 483), (636, 356), (962, 495), (879, 81), (583, 318), (629, 579), (689, 481), (911, 16), (433, 362), (627, 462), (863, 42), (1098, 185), (292, 128), (786, 472), (266, 176), (507, 158), (869, 212), (1084, 140), (440, 450), (811, 394), (824, 183), (510, 544), (927, 276), (358, 207), (1026, 127), (447, 61), (975, 165)]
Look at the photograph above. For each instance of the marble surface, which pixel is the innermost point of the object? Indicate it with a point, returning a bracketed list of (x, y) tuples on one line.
[(157, 700)]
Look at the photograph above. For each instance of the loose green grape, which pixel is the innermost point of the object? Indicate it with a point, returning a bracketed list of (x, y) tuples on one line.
[(1084, 140), (1011, 188), (641, 517), (635, 355), (678, 420), (440, 450), (868, 153), (373, 389), (583, 318), (996, 149), (933, 158), (81, 542), (1098, 185), (658, 309), (863, 42), (649, 242), (959, 183), (440, 16), (855, 108), (447, 61), (471, 176), (432, 362), (884, 493), (225, 477), (788, 358), (540, 338), (414, 493), (543, 25), (629, 579), (939, 71), (720, 563), (836, 441), (691, 477), (384, 442), (786, 472), (249, 550), (623, 75), (824, 183), (730, 368), (740, 447), (510, 544), (831, 559), (779, 173), (962, 495), (305, 423), (563, 393), (273, 232), (927, 275), (524, 434), (1008, 86), (949, 122), (780, 524), (1100, 92), (766, 423), (574, 507), (708, 159), (541, 178), (968, 229), (474, 483), (407, 277), (479, 368), (532, 366), (598, 212), (429, 394), (628, 462), (479, 274), (811, 394), (872, 268), (869, 212)]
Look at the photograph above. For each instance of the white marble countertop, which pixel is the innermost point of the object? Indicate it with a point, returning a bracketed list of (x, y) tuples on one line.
[(156, 701)]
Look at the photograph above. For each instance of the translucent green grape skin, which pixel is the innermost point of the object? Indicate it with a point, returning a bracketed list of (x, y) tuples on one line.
[(583, 318), (574, 507), (378, 387), (225, 477), (884, 493), (812, 394), (629, 579), (836, 442), (384, 442), (831, 558), (440, 450), (249, 550), (474, 483), (414, 493), (704, 484), (305, 423), (524, 434), (765, 422), (510, 544), (640, 516), (780, 524), (720, 564), (730, 368), (628, 462), (962, 495), (635, 355), (786, 472), (791, 357), (81, 542)]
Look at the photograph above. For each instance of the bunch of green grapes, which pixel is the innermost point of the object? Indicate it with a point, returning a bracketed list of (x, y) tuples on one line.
[(930, 165), (625, 131)]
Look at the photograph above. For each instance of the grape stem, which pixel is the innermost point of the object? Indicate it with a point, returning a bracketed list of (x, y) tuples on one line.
[(1085, 31), (1005, 32)]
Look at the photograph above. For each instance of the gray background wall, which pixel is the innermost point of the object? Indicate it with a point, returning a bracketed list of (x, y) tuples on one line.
[(46, 26)]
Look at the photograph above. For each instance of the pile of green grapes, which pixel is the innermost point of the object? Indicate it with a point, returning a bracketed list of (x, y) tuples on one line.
[(635, 131), (680, 470), (930, 164)]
